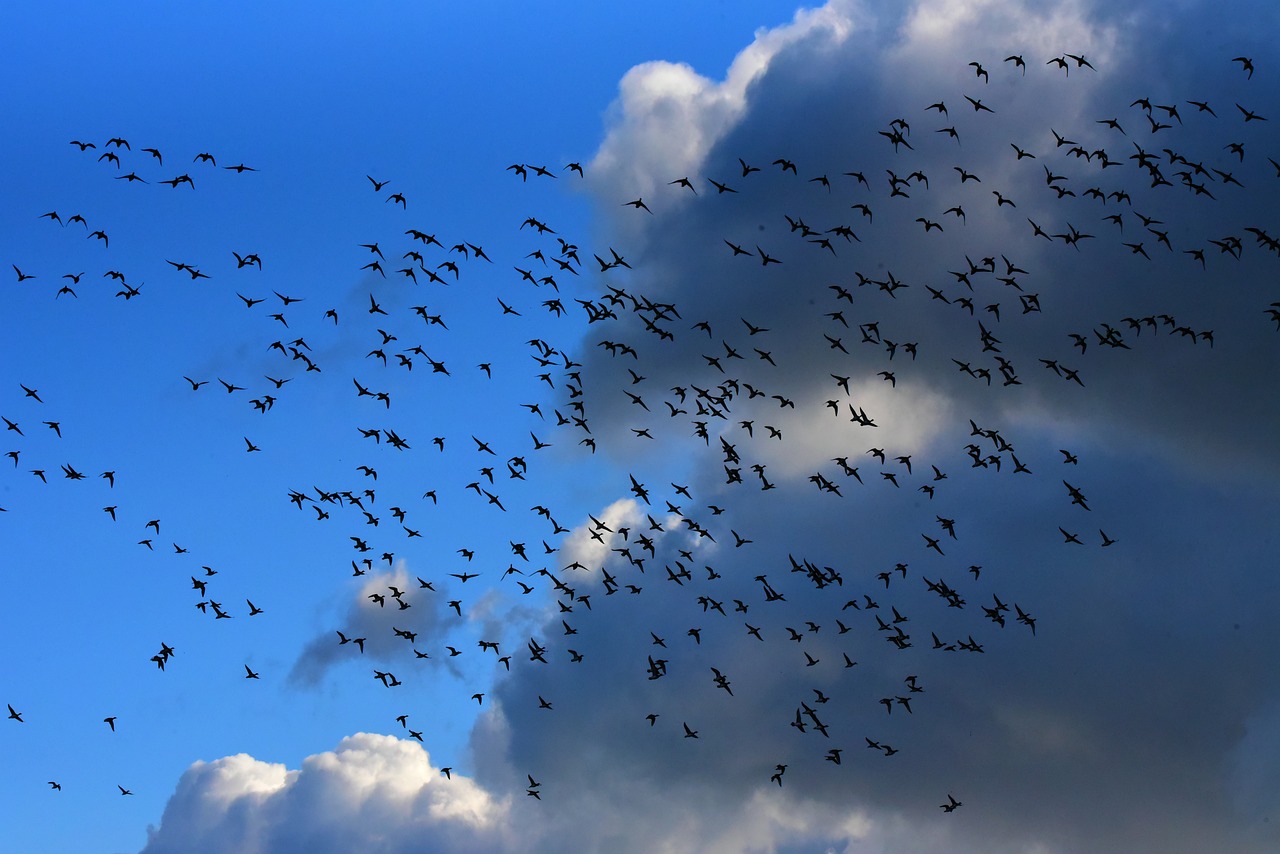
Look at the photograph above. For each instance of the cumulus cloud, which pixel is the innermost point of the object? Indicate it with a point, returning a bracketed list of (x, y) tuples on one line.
[(668, 117), (372, 793)]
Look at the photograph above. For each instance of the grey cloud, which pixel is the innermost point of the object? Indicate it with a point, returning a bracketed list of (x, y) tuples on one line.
[(822, 108), (1107, 729), (428, 617)]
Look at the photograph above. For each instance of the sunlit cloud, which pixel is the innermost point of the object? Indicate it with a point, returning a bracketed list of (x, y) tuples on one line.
[(371, 793)]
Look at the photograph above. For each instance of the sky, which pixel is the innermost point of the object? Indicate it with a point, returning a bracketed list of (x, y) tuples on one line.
[(731, 428)]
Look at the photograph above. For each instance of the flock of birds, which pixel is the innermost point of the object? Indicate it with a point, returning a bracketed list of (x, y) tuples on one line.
[(726, 405)]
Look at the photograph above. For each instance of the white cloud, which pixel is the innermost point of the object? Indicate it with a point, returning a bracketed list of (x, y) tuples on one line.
[(909, 418), (581, 547), (667, 117), (966, 30), (372, 793)]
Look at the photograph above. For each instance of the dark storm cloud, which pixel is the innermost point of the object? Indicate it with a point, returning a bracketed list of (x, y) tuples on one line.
[(1087, 734), (825, 117)]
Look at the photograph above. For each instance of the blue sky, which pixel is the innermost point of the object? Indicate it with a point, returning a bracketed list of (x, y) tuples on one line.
[(1140, 714)]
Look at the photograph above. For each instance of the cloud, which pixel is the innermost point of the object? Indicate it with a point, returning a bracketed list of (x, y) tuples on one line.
[(858, 79), (427, 618), (668, 117), (1252, 766), (372, 793), (379, 793), (1114, 724), (1094, 733)]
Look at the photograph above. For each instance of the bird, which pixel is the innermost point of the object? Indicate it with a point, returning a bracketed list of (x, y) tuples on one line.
[(1250, 116), (977, 105)]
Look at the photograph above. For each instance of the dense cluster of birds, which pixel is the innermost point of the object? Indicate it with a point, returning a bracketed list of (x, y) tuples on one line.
[(729, 405)]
